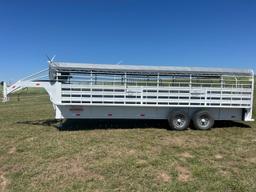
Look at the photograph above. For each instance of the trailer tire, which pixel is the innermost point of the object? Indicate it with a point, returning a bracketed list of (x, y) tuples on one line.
[(178, 120), (202, 120)]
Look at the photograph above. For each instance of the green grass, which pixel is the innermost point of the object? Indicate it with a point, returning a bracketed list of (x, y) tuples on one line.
[(118, 156)]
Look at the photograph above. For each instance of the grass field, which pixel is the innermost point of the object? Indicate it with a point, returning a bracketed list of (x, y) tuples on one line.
[(36, 155)]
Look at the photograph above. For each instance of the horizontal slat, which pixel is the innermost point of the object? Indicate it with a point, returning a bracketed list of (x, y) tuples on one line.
[(156, 96), (157, 101)]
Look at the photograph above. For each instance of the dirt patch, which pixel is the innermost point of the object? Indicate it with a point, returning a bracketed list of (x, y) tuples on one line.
[(251, 160), (64, 169), (3, 182), (186, 155), (141, 163), (185, 141), (184, 175), (131, 152), (12, 150), (224, 173), (30, 139), (218, 156), (76, 169), (163, 177), (121, 152)]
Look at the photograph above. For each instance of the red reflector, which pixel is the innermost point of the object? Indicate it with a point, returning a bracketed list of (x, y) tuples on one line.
[(13, 87), (142, 115), (37, 84), (110, 114), (78, 114)]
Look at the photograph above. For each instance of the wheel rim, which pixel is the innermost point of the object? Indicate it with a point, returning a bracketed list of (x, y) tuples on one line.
[(179, 120), (204, 121)]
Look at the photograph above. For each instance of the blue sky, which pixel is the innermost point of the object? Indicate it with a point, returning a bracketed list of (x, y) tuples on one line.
[(215, 33)]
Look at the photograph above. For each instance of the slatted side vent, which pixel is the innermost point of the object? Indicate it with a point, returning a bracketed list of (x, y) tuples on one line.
[(157, 89)]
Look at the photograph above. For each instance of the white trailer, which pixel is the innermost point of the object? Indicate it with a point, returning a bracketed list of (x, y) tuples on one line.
[(178, 94)]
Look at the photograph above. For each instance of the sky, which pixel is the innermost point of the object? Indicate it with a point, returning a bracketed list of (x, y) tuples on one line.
[(208, 33)]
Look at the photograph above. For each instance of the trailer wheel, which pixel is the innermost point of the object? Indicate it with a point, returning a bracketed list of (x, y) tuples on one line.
[(178, 120), (202, 120)]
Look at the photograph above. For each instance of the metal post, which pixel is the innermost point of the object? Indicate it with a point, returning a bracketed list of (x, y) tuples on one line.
[(157, 88), (190, 81), (91, 88), (5, 98), (221, 82), (125, 80), (125, 86), (190, 88)]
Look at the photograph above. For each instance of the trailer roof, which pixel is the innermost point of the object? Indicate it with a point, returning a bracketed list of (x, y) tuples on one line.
[(143, 68)]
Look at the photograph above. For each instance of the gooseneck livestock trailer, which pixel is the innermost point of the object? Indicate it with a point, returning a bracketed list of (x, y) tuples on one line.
[(177, 94)]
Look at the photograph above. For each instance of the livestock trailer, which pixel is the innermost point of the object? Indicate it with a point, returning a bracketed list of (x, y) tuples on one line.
[(177, 94)]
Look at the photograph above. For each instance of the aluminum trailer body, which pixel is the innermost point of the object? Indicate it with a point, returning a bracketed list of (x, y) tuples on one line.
[(179, 94)]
